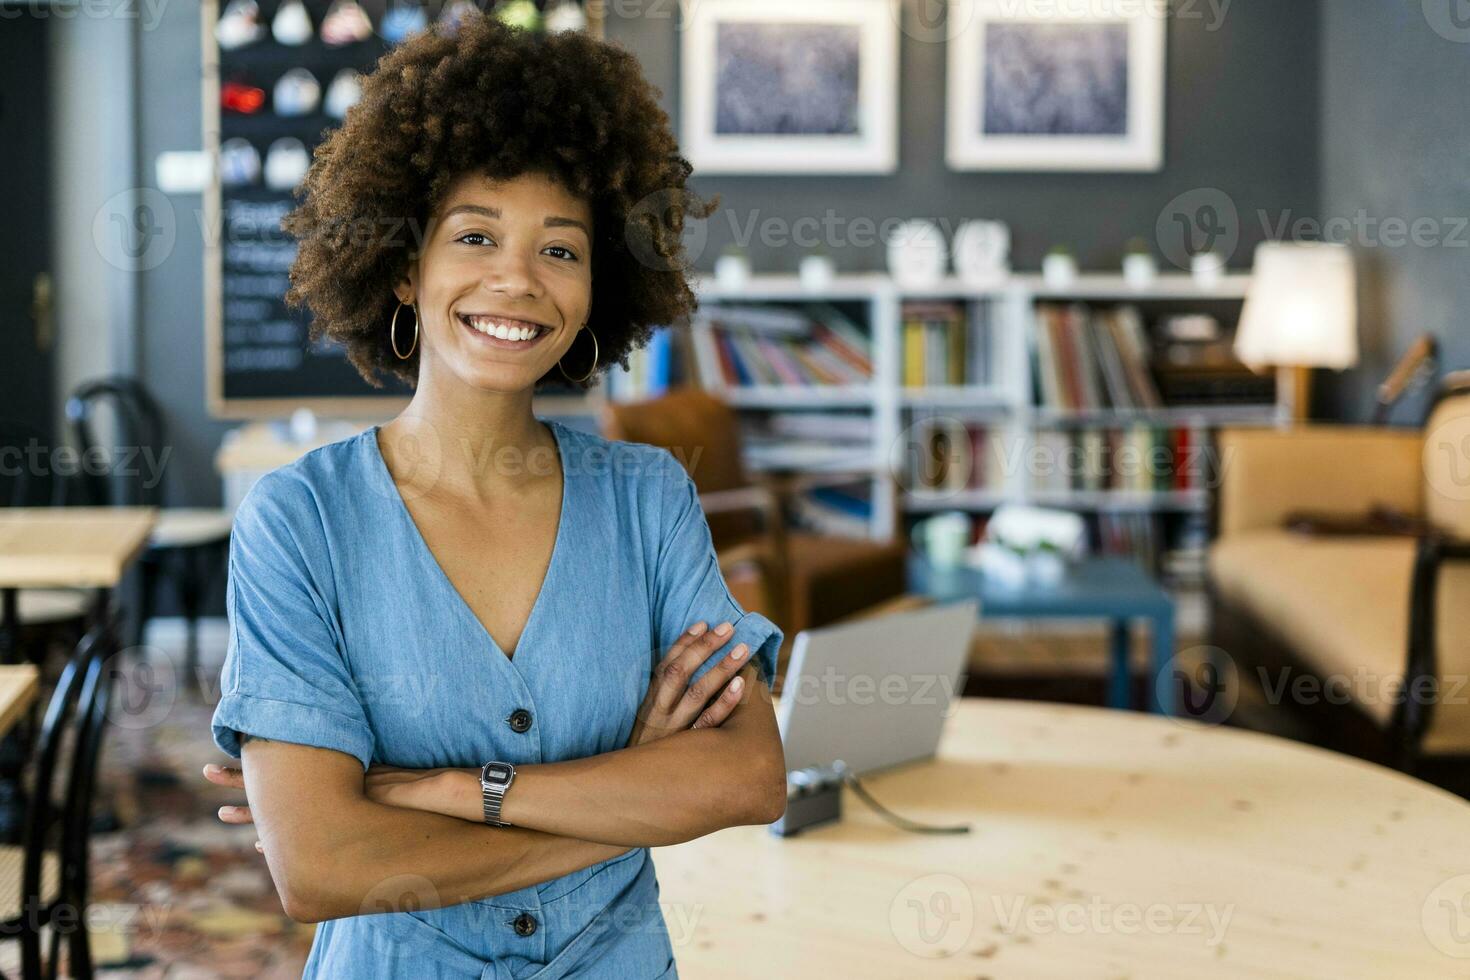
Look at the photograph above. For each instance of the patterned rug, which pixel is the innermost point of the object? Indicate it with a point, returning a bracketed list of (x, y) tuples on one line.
[(177, 893)]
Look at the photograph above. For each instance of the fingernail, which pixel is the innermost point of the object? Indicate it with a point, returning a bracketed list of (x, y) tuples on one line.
[(227, 810), (724, 629), (737, 684), (698, 628), (214, 769), (739, 651), (260, 847)]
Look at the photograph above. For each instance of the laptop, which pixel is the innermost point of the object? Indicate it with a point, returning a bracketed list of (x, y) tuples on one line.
[(874, 692)]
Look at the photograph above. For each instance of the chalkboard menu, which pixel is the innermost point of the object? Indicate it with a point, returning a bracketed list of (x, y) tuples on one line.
[(274, 87)]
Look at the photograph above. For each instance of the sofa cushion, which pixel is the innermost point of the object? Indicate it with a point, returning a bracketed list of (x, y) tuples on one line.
[(1342, 604)]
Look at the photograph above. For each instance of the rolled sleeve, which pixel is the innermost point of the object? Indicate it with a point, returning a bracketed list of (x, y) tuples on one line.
[(690, 586), (285, 675)]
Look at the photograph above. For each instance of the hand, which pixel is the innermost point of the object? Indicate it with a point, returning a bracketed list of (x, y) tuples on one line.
[(672, 704), (231, 778)]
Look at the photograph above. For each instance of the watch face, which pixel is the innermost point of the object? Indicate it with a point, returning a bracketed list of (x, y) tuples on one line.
[(496, 772)]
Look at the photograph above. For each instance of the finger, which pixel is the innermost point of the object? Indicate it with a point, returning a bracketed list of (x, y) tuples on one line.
[(679, 646), (676, 671), (714, 716), (709, 685), (236, 814), (227, 776)]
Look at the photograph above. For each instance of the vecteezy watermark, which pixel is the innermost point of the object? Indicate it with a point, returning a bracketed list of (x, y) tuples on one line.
[(145, 686), (1445, 917), (135, 229), (1202, 683), (1022, 914), (834, 687), (935, 456), (38, 459), (421, 455), (1447, 458), (933, 916), (1206, 219), (659, 233), (1211, 12), (1201, 220), (1450, 19), (147, 12)]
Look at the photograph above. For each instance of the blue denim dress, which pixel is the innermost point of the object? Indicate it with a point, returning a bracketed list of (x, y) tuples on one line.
[(346, 634)]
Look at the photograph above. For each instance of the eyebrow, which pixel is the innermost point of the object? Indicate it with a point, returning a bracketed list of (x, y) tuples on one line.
[(554, 221)]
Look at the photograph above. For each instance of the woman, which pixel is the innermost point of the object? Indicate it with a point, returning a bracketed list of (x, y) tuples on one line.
[(467, 584)]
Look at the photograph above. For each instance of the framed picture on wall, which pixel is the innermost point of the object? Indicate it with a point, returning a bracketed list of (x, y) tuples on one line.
[(783, 87), (1038, 85)]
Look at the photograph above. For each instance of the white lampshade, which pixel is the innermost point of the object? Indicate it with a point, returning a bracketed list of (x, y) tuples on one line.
[(1301, 309)]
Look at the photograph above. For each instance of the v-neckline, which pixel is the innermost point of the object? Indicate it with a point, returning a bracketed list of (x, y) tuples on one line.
[(432, 560)]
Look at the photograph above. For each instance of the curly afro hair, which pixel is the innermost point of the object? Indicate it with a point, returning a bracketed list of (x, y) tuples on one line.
[(501, 101)]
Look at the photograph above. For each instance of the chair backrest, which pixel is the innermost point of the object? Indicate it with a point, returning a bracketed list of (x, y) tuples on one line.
[(1447, 456), (90, 721), (129, 478), (703, 433), (54, 817)]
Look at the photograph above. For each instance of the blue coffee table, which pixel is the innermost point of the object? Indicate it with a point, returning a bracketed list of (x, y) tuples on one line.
[(1114, 589)]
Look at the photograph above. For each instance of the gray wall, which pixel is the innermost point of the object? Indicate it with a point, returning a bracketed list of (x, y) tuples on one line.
[(1242, 119), (1241, 116), (93, 166), (1395, 146)]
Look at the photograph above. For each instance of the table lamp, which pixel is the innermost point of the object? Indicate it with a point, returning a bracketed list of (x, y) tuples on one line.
[(1301, 312)]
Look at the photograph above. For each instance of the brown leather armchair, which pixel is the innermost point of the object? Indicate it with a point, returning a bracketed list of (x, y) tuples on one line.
[(796, 578)]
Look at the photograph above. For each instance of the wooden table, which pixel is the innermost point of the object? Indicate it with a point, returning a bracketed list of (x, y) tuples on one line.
[(1104, 844), (49, 547), (19, 685)]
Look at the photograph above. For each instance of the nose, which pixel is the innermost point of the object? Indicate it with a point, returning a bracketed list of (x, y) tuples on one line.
[(514, 275)]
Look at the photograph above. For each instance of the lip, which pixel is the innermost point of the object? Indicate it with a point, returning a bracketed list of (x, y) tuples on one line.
[(514, 345)]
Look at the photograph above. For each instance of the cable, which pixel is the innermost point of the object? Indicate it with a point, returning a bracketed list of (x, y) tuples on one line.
[(902, 823)]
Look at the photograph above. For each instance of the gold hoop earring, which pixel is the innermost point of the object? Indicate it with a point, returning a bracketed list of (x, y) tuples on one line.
[(393, 332), (596, 351)]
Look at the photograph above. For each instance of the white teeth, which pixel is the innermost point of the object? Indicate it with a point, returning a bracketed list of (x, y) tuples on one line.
[(500, 330)]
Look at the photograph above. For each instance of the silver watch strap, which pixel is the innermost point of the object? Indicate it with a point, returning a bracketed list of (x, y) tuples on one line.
[(491, 797)]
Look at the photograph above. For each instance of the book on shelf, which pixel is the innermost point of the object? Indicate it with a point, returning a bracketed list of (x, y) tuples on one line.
[(942, 347), (1137, 458), (1088, 359), (651, 370), (809, 441), (809, 346), (839, 511)]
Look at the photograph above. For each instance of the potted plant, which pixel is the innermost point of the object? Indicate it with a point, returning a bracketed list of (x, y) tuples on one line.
[(732, 268), (816, 269), (1059, 267), (1139, 268)]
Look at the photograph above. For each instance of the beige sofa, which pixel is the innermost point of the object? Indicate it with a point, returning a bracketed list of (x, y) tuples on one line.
[(1370, 634)]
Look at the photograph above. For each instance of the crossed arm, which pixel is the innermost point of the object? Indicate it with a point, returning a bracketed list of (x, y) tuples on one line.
[(335, 840)]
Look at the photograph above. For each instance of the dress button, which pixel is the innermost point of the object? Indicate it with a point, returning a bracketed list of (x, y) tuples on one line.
[(520, 720), (525, 924)]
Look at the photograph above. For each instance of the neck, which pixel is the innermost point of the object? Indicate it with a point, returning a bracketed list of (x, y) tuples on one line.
[(461, 442)]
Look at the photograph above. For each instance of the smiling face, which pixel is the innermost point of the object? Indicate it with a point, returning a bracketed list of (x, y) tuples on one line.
[(503, 283)]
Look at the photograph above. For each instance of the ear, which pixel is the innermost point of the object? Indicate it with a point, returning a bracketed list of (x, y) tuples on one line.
[(405, 289)]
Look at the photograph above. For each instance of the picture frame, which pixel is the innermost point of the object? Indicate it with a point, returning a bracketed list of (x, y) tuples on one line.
[(1035, 85), (775, 87)]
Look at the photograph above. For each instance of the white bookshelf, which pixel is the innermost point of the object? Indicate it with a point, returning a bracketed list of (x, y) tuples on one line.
[(1004, 405)]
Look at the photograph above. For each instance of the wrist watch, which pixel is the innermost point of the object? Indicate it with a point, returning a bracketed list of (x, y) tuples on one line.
[(495, 779)]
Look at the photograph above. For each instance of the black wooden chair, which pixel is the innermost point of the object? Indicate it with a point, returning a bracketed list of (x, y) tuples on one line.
[(44, 879), (188, 546)]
